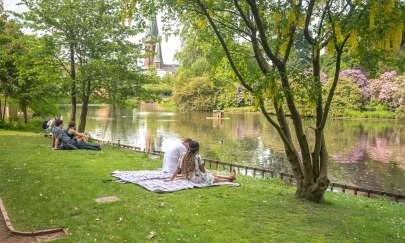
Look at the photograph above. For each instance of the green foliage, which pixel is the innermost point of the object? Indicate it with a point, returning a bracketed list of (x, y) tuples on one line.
[(400, 112), (195, 95), (104, 65), (33, 125), (28, 77), (347, 97), (12, 125)]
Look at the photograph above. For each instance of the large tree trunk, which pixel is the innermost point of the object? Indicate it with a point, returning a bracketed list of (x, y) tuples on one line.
[(314, 192), (73, 83)]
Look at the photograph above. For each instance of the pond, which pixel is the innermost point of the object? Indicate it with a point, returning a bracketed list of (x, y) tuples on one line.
[(364, 153)]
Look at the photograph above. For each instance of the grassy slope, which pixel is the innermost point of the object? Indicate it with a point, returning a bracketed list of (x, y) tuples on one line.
[(43, 188)]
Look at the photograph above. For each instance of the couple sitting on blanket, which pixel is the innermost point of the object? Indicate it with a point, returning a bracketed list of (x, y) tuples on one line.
[(190, 166)]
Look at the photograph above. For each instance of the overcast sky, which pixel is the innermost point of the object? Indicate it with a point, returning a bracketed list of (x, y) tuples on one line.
[(168, 48)]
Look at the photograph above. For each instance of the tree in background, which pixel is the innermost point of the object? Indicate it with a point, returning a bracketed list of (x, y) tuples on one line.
[(28, 77), (92, 46), (200, 57)]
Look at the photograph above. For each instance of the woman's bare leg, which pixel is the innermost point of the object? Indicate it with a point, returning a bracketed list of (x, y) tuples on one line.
[(225, 178)]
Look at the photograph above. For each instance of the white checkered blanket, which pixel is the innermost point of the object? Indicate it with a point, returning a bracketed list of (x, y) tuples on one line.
[(155, 181)]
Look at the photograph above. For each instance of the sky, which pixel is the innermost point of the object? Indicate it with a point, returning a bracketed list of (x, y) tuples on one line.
[(169, 47)]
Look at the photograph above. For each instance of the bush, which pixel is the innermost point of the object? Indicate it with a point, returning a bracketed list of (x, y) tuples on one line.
[(12, 125), (197, 95), (347, 97), (359, 78), (35, 124), (400, 112)]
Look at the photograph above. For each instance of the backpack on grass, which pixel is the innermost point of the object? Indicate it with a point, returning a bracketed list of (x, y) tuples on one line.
[(45, 124)]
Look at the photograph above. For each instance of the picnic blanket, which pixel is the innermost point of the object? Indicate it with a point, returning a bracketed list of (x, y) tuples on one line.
[(154, 181)]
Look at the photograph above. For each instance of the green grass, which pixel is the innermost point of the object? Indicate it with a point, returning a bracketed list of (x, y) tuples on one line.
[(44, 188), (378, 114), (242, 109)]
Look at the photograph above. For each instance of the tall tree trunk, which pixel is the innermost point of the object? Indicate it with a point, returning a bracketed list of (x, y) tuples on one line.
[(1, 111), (73, 83), (24, 110), (4, 107), (85, 105), (83, 114)]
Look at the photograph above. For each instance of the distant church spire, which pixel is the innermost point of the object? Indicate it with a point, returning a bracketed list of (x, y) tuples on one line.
[(153, 49)]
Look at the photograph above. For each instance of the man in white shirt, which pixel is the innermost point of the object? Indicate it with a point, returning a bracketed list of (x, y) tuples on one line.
[(172, 154)]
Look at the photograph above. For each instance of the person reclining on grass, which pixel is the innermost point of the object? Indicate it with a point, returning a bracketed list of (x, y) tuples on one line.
[(73, 134), (192, 168), (61, 138)]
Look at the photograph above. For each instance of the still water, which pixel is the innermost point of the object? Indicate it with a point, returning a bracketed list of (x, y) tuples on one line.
[(363, 153)]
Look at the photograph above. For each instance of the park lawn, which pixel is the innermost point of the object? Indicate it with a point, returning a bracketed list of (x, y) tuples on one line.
[(43, 188)]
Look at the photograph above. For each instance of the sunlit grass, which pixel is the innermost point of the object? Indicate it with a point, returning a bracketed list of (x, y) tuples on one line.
[(44, 188), (379, 114)]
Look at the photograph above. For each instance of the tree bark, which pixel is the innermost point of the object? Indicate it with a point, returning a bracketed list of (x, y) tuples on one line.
[(1, 111), (24, 110), (73, 83), (83, 113), (4, 107), (314, 192)]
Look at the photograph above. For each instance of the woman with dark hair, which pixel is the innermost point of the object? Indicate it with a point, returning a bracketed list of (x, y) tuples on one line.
[(192, 167), (73, 134)]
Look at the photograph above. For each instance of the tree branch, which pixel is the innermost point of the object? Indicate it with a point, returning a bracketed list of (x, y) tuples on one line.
[(224, 46)]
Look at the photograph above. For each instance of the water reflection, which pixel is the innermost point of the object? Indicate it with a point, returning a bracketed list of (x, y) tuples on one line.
[(368, 154)]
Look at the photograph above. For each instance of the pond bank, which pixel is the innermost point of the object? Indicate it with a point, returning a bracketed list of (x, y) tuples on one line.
[(43, 188)]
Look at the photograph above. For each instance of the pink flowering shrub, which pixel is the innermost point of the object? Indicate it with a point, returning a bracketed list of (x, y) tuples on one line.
[(389, 89), (359, 78), (356, 76), (385, 95)]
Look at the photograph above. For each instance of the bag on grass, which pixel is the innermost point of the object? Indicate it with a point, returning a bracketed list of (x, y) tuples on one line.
[(45, 124)]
